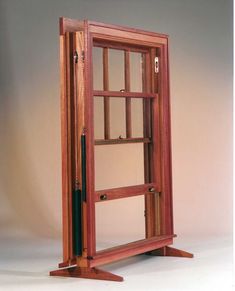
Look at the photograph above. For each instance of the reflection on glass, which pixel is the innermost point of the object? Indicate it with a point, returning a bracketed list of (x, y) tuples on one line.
[(113, 215), (136, 72), (116, 70), (119, 165), (137, 117), (117, 118), (99, 117), (97, 62)]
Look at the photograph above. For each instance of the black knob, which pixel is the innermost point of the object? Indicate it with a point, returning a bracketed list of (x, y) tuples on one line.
[(103, 197)]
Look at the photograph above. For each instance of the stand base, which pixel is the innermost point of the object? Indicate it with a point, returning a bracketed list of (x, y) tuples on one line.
[(94, 273), (88, 273), (170, 252)]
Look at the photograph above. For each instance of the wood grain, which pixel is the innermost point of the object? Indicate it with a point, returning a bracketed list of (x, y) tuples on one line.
[(89, 128), (122, 141), (77, 115), (86, 273), (130, 249), (124, 94), (124, 192), (127, 89), (106, 88)]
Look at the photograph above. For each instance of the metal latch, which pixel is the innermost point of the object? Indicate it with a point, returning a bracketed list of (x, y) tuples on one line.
[(156, 64), (75, 56)]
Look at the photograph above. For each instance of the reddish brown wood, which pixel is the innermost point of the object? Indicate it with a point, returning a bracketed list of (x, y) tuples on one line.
[(149, 162), (123, 94), (86, 273), (66, 135), (67, 263), (127, 89), (155, 146), (79, 125), (106, 88), (89, 125), (156, 139), (130, 249), (70, 25), (122, 140), (123, 192), (130, 36), (127, 29), (164, 152), (170, 252), (119, 46)]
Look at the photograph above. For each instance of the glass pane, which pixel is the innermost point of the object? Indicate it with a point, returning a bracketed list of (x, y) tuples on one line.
[(99, 117), (97, 68), (119, 221), (116, 70), (136, 72), (117, 118), (137, 117), (118, 165)]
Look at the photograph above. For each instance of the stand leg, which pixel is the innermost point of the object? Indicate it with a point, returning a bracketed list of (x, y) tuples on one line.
[(170, 252), (88, 273)]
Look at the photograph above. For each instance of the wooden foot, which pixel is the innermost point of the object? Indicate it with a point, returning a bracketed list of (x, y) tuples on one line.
[(170, 252), (88, 273)]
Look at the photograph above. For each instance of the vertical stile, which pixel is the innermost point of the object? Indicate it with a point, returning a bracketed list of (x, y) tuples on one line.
[(127, 89), (69, 52), (106, 88), (166, 199), (64, 148), (89, 126), (148, 164), (156, 150), (80, 108), (158, 142)]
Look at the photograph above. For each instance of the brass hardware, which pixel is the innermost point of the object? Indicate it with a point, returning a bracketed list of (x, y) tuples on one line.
[(156, 62)]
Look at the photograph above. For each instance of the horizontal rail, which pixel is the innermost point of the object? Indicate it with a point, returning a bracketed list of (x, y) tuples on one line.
[(122, 140), (124, 192), (100, 93), (131, 249), (119, 46)]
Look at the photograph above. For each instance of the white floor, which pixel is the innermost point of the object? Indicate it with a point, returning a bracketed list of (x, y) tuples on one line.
[(25, 264)]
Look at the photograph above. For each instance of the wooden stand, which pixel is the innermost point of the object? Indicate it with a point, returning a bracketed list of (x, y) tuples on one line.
[(77, 40), (170, 252), (88, 273)]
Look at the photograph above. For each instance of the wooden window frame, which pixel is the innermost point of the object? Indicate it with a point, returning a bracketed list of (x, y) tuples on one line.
[(81, 36)]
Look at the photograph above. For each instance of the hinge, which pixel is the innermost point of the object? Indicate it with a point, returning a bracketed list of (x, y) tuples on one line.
[(76, 56), (156, 64)]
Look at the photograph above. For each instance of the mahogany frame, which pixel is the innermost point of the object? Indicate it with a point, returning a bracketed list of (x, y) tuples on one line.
[(77, 115)]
